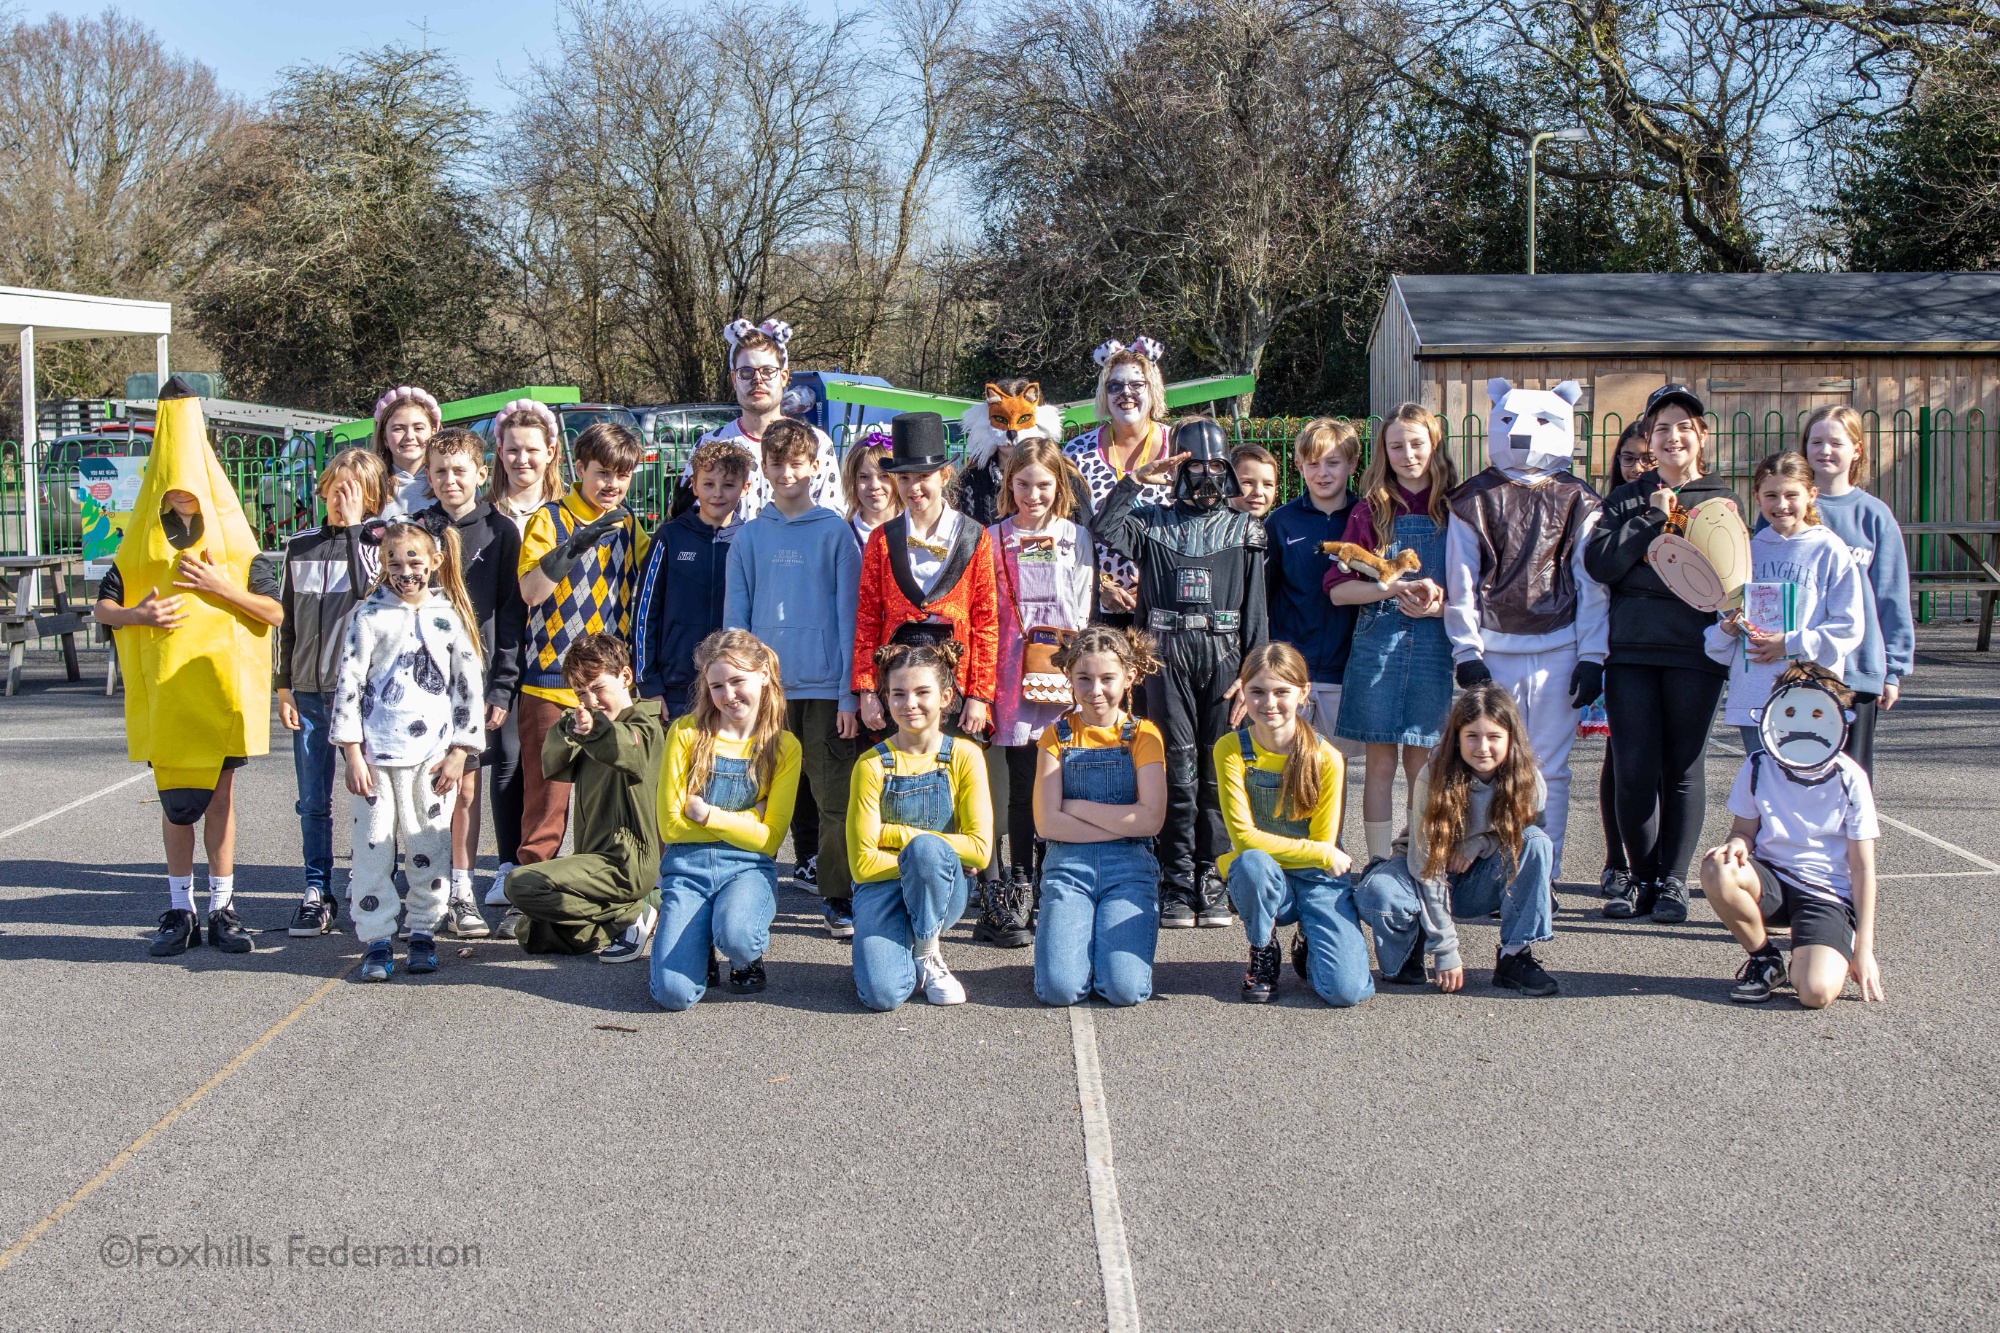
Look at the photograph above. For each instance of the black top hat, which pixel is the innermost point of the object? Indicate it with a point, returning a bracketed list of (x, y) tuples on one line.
[(1674, 393), (918, 442)]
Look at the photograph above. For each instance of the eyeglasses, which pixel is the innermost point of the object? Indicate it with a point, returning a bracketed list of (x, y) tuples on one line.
[(1125, 388), (757, 374)]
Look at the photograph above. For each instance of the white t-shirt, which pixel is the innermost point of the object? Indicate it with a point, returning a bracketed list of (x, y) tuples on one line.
[(1803, 827), (757, 491)]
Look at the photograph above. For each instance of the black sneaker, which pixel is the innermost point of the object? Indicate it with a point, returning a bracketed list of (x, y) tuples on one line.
[(1300, 955), (178, 929), (1521, 972), (313, 917), (747, 980), (806, 873), (226, 932), (1611, 884), (1411, 973), (1670, 908), (1260, 982), (1636, 900), (423, 953), (1214, 911), (1176, 912), (1761, 974), (714, 968)]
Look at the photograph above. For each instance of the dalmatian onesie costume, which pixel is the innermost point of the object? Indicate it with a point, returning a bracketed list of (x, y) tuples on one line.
[(1519, 608)]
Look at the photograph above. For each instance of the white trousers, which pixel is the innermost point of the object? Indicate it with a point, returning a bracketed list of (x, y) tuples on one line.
[(1539, 683), (403, 806)]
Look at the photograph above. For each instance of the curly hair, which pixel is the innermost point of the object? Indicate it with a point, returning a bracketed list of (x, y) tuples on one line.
[(1451, 779), (1134, 648), (940, 658)]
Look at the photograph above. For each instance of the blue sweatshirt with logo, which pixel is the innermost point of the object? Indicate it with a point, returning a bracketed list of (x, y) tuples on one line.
[(795, 583), (680, 602)]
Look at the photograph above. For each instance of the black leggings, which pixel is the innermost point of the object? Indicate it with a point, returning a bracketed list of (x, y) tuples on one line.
[(1607, 813), (1660, 718), (504, 783), (1861, 732)]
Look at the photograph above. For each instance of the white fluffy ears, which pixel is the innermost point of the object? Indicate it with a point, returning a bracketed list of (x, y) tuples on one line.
[(407, 393), (776, 330), (1149, 348)]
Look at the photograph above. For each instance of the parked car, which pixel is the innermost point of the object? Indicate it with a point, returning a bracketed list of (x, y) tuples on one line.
[(678, 426), (59, 513)]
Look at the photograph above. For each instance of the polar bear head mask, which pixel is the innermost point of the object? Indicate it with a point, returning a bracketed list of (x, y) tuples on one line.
[(1531, 430)]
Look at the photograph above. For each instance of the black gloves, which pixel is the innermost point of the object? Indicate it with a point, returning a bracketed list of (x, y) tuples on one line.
[(1471, 672), (1585, 684), (565, 553)]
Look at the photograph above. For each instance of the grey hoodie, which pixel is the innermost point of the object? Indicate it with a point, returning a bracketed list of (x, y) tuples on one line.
[(1440, 934), (794, 583)]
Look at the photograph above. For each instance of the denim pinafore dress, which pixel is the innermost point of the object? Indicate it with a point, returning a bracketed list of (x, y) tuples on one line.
[(1264, 790), (922, 801), (1399, 675)]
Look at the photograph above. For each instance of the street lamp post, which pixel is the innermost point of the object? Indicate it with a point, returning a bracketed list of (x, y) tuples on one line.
[(1560, 136)]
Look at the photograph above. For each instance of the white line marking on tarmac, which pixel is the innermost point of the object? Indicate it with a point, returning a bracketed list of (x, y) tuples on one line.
[(81, 800), (1114, 1261), (1914, 832), (1941, 874)]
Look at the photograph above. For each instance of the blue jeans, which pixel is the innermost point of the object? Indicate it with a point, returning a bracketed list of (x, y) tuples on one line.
[(1388, 899), (1267, 895), (890, 916), (711, 894), (312, 763), (1100, 922)]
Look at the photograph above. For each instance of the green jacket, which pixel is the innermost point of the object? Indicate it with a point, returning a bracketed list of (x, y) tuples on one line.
[(616, 769)]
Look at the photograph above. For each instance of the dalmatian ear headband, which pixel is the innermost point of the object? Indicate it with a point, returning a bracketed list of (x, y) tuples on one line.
[(407, 393), (1144, 346), (776, 330), (528, 407)]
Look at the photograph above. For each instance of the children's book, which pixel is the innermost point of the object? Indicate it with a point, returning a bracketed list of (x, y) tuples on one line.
[(1769, 607)]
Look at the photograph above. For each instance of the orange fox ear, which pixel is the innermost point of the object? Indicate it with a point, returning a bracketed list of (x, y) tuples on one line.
[(993, 394), (1033, 393)]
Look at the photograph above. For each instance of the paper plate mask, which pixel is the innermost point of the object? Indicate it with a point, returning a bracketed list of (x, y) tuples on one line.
[(1707, 563), (1802, 726), (199, 693)]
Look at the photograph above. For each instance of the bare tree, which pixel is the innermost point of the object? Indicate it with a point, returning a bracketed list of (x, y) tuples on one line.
[(1192, 169), (106, 137)]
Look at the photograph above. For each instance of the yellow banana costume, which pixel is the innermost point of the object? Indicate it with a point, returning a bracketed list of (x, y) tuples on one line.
[(199, 693)]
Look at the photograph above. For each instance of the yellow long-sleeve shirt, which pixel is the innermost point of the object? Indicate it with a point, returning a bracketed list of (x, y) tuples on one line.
[(872, 845), (1312, 852), (739, 828)]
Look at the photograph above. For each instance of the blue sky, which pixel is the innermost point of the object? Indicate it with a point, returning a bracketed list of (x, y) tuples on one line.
[(248, 41)]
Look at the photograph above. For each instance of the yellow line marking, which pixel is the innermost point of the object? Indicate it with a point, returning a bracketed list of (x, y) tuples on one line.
[(138, 1145)]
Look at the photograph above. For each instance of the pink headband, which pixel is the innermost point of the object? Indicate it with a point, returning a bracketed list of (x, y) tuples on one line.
[(528, 407), (407, 393)]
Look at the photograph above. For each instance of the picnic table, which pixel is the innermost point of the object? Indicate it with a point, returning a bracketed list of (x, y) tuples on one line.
[(26, 621), (1985, 582)]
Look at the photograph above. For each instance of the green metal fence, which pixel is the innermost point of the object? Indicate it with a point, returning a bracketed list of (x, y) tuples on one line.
[(1929, 466)]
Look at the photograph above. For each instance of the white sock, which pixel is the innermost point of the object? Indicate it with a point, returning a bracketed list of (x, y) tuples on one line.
[(1381, 837), (1509, 950), (927, 949), (181, 887), (221, 888), (461, 885)]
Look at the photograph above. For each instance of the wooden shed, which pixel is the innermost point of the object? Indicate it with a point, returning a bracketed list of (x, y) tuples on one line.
[(1917, 353)]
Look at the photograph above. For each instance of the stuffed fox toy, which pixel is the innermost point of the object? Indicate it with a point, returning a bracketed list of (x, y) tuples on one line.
[(1360, 560)]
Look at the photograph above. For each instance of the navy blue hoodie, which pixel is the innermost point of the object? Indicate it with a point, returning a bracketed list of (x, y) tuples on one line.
[(1301, 614), (680, 603)]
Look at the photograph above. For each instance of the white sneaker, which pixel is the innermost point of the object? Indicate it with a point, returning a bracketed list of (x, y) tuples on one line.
[(940, 986), (497, 895), (631, 945)]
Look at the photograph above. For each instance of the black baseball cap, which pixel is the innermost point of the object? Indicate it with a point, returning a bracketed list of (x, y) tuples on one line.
[(1668, 394)]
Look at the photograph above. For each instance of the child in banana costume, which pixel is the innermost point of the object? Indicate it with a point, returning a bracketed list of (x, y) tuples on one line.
[(193, 602)]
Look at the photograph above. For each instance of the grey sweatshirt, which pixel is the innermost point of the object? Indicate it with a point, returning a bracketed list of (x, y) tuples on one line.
[(1440, 935)]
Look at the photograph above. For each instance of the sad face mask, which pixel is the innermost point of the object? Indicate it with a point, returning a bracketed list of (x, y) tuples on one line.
[(1803, 726)]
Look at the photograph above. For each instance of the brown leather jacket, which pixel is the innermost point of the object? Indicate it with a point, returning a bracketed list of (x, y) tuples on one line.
[(1527, 541)]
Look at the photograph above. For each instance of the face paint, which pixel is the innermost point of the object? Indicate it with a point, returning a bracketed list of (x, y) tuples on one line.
[(408, 585)]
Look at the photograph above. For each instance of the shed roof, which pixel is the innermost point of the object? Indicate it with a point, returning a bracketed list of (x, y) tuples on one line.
[(68, 316), (1665, 313)]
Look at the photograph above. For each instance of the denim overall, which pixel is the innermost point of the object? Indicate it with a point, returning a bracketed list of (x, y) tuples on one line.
[(1267, 895), (928, 895), (712, 895), (1398, 683), (1100, 916)]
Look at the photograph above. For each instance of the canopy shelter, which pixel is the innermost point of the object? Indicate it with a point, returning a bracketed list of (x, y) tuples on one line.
[(35, 318)]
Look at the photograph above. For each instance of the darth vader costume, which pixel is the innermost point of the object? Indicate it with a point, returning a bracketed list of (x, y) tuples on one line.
[(1201, 595)]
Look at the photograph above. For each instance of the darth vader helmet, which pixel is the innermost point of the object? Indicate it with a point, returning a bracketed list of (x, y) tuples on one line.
[(1206, 478)]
